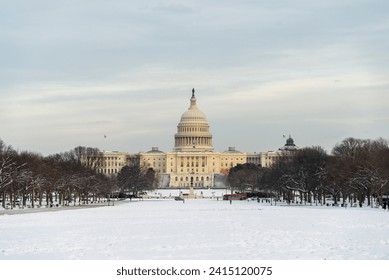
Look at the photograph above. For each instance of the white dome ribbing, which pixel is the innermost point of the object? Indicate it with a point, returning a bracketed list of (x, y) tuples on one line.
[(193, 130)]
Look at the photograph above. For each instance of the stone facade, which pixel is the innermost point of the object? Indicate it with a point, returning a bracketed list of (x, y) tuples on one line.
[(193, 161), (110, 163)]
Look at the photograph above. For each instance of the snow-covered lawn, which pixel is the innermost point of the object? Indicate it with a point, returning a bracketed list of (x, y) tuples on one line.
[(198, 229)]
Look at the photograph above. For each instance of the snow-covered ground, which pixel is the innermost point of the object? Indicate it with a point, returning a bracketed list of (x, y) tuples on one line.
[(198, 229), (168, 193)]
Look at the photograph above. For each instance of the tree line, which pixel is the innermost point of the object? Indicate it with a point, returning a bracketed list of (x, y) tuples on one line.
[(356, 171), (63, 179)]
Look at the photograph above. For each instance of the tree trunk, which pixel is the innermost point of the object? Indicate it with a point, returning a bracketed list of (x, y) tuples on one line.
[(24, 198), (47, 199), (60, 198), (11, 199), (33, 198), (3, 197), (40, 198), (368, 196)]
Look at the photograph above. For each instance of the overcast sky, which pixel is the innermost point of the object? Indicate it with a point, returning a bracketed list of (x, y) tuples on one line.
[(73, 71)]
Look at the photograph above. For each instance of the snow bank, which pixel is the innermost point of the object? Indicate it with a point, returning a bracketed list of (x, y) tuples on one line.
[(197, 229)]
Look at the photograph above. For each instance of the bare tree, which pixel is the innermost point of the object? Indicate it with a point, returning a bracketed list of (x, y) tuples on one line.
[(244, 177), (367, 171), (133, 179), (89, 157), (8, 173)]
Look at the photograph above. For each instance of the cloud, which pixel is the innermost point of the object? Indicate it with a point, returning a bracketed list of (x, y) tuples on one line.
[(175, 8), (77, 70)]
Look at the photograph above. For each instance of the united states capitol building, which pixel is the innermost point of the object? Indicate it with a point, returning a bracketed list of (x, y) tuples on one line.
[(193, 160)]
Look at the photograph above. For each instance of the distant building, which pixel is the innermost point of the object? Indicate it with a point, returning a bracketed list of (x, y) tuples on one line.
[(110, 163), (193, 160), (267, 159)]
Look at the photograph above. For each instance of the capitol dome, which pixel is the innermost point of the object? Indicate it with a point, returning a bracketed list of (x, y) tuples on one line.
[(193, 130), (290, 145), (193, 114)]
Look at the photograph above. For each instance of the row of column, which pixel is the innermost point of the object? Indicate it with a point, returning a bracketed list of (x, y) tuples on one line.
[(193, 141), (193, 129), (183, 161)]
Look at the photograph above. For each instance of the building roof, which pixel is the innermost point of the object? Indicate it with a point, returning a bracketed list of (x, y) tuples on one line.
[(289, 145), (193, 114), (232, 150), (154, 150)]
